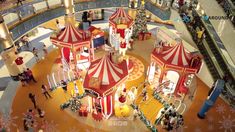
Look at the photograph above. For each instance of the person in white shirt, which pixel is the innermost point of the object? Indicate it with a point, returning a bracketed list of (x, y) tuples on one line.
[(45, 49)]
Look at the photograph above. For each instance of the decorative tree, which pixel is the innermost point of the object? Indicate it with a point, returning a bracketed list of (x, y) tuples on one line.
[(140, 21)]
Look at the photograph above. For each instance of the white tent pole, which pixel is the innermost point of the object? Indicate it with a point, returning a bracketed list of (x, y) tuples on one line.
[(69, 76), (48, 79), (58, 78), (53, 77)]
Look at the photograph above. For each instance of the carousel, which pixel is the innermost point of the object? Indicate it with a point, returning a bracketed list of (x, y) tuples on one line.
[(75, 46), (102, 80), (120, 30), (173, 68)]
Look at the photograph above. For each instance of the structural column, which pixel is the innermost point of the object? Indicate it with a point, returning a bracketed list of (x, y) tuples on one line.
[(69, 12), (9, 53)]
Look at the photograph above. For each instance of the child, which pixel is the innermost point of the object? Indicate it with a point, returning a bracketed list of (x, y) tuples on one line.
[(35, 52), (45, 50)]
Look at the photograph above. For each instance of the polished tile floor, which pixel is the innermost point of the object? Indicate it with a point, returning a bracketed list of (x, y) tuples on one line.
[(219, 118)]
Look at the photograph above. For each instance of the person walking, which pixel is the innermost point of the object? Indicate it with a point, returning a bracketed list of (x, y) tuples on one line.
[(64, 85), (25, 41), (35, 52), (22, 79), (135, 114), (30, 75), (200, 35), (33, 99), (59, 26), (45, 92), (25, 76), (41, 113), (45, 50), (144, 93), (19, 2)]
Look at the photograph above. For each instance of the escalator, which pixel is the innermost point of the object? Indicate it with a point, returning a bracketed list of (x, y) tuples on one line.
[(209, 63), (214, 60), (223, 64), (207, 59)]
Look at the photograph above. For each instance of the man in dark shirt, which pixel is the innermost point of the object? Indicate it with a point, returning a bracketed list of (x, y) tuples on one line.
[(64, 85), (32, 98)]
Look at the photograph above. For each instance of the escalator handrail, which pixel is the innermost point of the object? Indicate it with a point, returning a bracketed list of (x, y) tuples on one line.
[(215, 63)]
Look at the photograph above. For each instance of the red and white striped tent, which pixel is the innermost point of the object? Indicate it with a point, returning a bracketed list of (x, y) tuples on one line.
[(120, 17), (122, 24), (71, 38), (175, 58), (110, 76)]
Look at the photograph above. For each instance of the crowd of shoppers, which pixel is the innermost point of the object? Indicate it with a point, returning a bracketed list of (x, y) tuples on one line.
[(170, 119)]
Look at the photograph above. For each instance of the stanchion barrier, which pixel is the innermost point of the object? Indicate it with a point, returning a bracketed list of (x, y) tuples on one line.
[(54, 81), (177, 107), (56, 78), (49, 81), (184, 108), (69, 78), (59, 78)]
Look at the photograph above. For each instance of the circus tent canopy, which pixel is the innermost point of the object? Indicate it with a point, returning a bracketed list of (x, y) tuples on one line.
[(174, 57), (120, 17), (70, 37), (108, 73)]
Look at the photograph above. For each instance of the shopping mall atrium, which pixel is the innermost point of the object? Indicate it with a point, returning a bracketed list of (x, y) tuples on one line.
[(117, 65)]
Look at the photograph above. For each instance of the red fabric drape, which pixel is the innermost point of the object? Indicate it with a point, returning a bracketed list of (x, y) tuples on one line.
[(66, 53), (123, 45), (122, 32), (110, 104)]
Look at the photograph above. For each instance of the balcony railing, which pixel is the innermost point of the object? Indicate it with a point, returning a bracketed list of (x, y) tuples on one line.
[(24, 18)]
